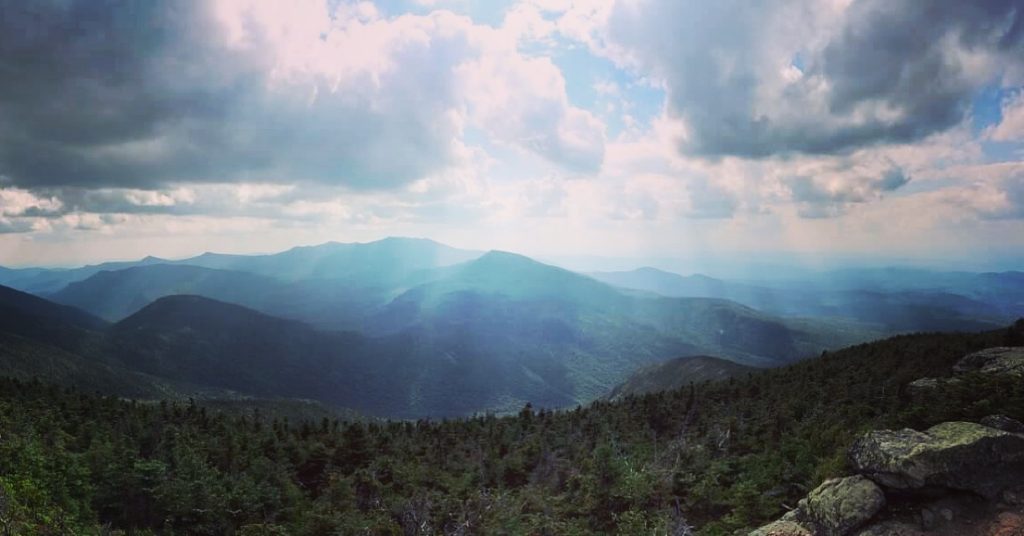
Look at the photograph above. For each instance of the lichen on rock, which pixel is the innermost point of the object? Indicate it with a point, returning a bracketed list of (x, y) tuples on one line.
[(782, 528), (1000, 360), (839, 505), (1004, 423), (957, 455)]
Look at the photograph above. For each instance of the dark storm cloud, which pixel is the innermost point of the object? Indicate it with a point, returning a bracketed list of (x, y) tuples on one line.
[(894, 71), (86, 77), (898, 54), (102, 93)]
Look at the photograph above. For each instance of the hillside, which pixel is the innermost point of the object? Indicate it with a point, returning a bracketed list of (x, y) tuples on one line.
[(670, 284), (713, 459), (678, 373), (911, 301), (489, 334), (196, 339), (60, 345), (563, 338), (41, 339), (113, 295)]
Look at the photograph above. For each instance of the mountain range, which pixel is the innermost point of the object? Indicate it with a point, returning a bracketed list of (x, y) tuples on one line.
[(895, 300), (399, 327)]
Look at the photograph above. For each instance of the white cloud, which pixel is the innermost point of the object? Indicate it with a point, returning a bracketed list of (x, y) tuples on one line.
[(1011, 125)]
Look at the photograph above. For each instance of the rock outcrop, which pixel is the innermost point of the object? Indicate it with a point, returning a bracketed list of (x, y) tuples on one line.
[(840, 505), (1001, 360), (1004, 423), (940, 466), (782, 528), (955, 478), (925, 385), (956, 455)]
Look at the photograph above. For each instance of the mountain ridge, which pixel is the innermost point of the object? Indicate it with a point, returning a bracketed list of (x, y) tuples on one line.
[(678, 372)]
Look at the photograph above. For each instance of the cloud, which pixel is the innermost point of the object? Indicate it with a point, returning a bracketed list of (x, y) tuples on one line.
[(1011, 125), (762, 79), (178, 91), (522, 101), (991, 192), (15, 202), (15, 225), (830, 195)]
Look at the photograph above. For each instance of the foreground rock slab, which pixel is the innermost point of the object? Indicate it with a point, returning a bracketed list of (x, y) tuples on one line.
[(953, 479), (957, 455), (834, 508)]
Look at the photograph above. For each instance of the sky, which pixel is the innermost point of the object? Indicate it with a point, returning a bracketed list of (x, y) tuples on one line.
[(830, 129)]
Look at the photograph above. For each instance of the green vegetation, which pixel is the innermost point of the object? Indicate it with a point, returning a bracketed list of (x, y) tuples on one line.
[(720, 456), (678, 373)]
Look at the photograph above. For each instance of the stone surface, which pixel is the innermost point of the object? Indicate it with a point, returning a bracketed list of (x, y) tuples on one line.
[(1004, 423), (925, 385), (1000, 360), (890, 528), (958, 455), (1007, 524), (782, 528), (840, 505), (927, 519)]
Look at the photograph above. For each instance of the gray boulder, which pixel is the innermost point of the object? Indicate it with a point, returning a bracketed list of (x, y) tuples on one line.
[(999, 360), (834, 508), (782, 528), (957, 455), (926, 385), (1004, 423), (840, 505)]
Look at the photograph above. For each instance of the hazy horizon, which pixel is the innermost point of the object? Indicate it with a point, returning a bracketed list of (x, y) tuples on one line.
[(778, 265)]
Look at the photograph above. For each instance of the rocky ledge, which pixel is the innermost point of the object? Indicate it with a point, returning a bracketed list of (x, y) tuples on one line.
[(955, 478), (1003, 360)]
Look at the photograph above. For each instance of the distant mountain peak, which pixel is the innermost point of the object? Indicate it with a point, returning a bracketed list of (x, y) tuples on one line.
[(505, 261), (504, 256), (406, 239), (650, 269), (194, 300), (190, 310)]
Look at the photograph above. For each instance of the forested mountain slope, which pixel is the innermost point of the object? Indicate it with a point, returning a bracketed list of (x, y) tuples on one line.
[(720, 456), (677, 373)]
